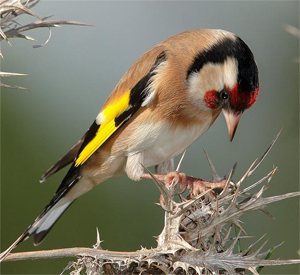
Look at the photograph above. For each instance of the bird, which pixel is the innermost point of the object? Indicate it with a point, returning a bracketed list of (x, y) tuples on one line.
[(166, 100)]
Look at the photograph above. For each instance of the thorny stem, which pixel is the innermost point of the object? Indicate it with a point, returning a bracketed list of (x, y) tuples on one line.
[(74, 252), (106, 254), (193, 241)]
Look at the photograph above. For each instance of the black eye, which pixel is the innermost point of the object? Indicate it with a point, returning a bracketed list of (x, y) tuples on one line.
[(224, 95)]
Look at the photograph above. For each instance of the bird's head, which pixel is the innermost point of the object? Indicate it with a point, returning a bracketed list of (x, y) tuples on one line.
[(224, 77)]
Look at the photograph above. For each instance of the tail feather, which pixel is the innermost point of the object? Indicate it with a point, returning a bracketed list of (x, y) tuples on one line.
[(45, 224)]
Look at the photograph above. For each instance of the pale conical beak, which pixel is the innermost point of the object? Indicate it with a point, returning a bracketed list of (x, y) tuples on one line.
[(232, 121)]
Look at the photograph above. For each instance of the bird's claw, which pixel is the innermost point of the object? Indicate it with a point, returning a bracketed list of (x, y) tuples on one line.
[(195, 185)]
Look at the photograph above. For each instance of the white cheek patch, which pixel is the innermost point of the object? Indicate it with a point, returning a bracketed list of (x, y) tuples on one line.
[(213, 76), (230, 72), (209, 78), (194, 84)]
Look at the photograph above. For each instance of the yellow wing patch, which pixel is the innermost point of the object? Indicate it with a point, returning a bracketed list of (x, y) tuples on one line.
[(117, 108), (106, 129)]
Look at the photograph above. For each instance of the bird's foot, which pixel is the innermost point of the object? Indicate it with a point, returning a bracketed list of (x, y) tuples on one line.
[(199, 186), (195, 185)]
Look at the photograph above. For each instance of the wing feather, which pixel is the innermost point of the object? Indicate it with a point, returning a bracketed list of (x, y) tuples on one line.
[(104, 132), (115, 114), (128, 97), (64, 161)]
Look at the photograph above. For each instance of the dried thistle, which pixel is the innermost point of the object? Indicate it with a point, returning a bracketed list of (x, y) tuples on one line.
[(196, 238), (10, 10)]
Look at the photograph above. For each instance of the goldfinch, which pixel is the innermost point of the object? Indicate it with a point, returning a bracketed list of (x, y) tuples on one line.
[(164, 102)]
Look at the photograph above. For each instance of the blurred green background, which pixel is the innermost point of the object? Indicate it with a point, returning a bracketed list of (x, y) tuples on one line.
[(69, 80)]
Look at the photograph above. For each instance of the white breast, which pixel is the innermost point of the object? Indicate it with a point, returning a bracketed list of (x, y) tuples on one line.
[(158, 142), (171, 142)]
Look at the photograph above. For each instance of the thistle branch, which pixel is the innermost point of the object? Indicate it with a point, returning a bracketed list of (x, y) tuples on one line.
[(196, 238)]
